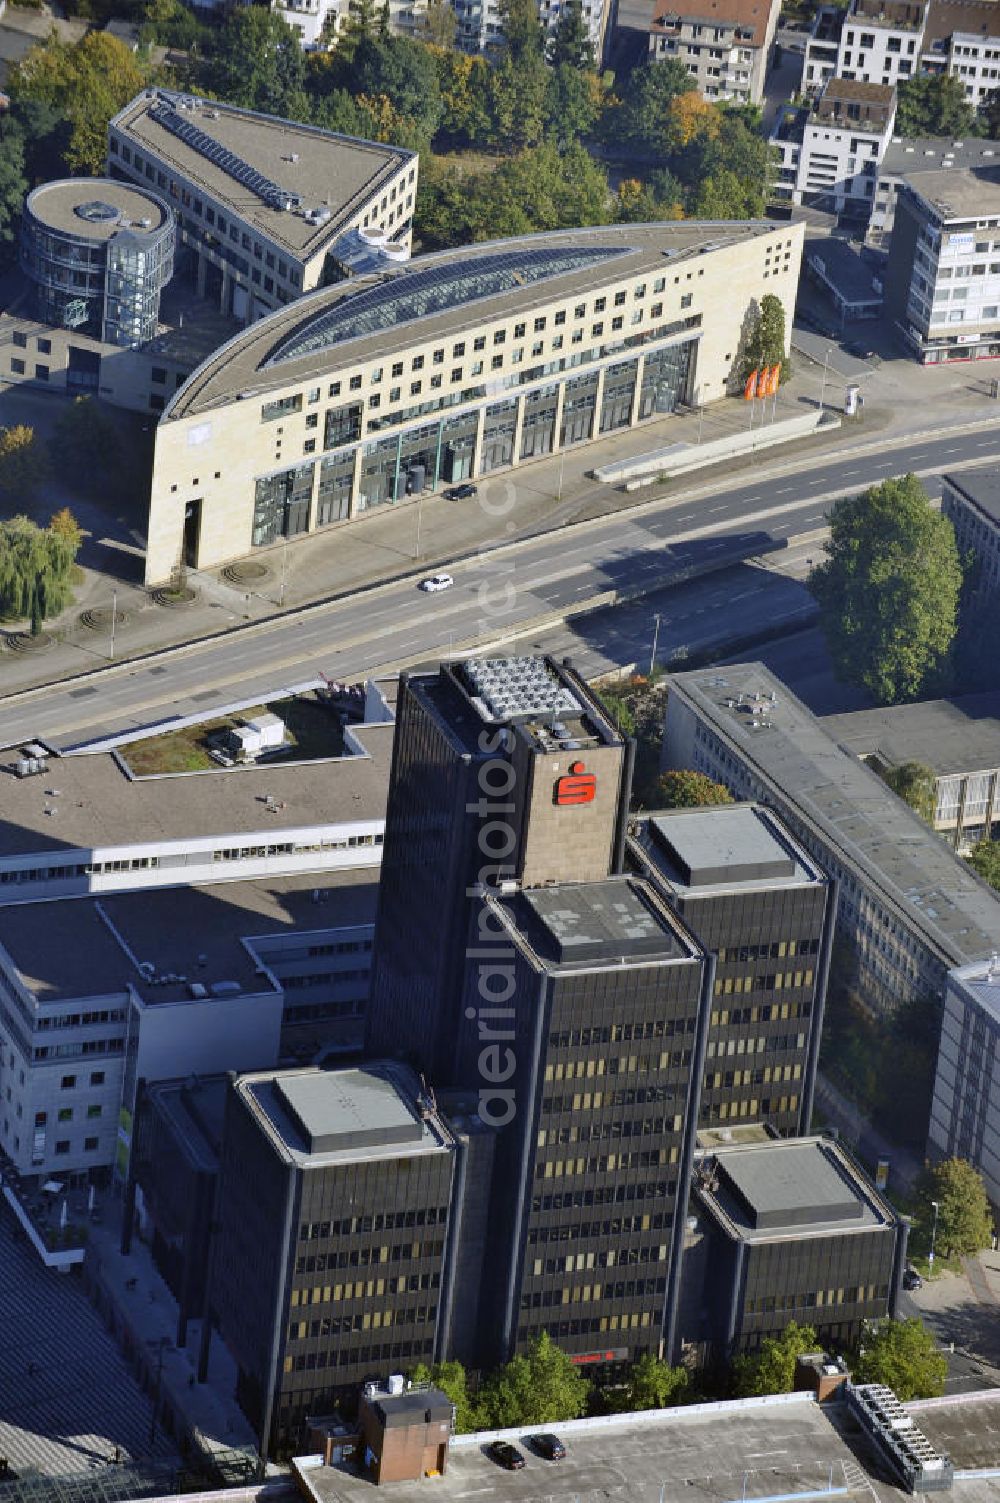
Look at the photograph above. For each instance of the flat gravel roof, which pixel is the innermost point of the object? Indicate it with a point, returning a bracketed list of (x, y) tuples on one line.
[(86, 802), (328, 171), (196, 932), (108, 206)]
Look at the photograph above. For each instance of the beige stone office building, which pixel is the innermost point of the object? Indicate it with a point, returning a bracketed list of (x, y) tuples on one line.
[(459, 365)]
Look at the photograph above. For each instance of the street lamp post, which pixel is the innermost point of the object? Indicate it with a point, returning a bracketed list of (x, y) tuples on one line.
[(930, 1255), (822, 394), (656, 637)]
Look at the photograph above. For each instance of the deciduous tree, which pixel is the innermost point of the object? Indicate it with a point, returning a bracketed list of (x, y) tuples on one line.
[(540, 1388), (405, 72), (690, 116), (659, 197), (13, 185), (463, 82), (438, 24), (888, 591), (541, 189), (451, 1378), (518, 90), (258, 63), (915, 784), (86, 82), (904, 1356), (964, 1219), (765, 345), (523, 31), (687, 789), (934, 105), (984, 858), (642, 120), (86, 443), (570, 41), (772, 1368), (22, 463), (653, 1384), (35, 570)]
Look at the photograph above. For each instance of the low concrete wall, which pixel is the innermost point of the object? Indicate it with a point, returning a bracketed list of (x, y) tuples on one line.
[(679, 459), (61, 1259)]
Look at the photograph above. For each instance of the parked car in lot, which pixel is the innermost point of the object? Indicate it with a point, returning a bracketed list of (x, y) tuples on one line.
[(549, 1446), (860, 350), (506, 1455), (463, 492), (912, 1279), (436, 582)]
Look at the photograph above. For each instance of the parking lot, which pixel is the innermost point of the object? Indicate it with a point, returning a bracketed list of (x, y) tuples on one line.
[(770, 1450)]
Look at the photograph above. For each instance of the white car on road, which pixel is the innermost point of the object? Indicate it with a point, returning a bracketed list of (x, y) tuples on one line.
[(437, 582)]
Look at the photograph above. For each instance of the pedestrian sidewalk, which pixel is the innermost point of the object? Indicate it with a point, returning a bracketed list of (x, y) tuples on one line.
[(142, 1314), (983, 1274), (424, 535)]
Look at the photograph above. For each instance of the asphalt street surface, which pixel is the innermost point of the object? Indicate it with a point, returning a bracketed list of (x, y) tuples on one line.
[(493, 595)]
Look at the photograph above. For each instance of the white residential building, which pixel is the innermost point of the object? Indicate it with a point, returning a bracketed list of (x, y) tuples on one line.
[(726, 45), (880, 40), (829, 153), (962, 37), (480, 22), (890, 41), (133, 948), (943, 276)]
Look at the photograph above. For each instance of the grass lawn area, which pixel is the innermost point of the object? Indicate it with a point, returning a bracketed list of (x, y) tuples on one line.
[(312, 732)]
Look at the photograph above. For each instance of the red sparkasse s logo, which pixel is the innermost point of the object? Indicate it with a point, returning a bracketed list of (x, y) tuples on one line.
[(577, 787)]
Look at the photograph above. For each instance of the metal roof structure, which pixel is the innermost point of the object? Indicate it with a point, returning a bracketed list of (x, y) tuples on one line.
[(848, 807)]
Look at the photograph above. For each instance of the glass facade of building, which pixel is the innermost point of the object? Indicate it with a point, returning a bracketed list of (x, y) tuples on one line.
[(281, 505), (357, 474), (92, 268)]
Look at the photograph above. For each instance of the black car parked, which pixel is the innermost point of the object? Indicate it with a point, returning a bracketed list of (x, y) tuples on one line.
[(549, 1446), (506, 1455)]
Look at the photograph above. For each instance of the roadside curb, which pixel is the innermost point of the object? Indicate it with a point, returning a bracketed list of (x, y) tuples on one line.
[(249, 630)]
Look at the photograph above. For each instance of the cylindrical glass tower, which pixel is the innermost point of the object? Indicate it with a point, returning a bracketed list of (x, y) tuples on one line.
[(99, 253)]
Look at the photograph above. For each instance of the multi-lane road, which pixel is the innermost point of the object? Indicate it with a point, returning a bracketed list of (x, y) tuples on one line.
[(494, 594)]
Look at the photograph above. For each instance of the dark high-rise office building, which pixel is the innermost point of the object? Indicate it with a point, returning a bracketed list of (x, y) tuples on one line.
[(503, 770), (760, 903), (335, 1198), (585, 1066), (787, 1231)]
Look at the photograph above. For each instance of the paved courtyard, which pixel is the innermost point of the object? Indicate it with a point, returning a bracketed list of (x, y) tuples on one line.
[(68, 1400), (964, 1308)]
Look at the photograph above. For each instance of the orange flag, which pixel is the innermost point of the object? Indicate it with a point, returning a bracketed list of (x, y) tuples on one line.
[(750, 390)]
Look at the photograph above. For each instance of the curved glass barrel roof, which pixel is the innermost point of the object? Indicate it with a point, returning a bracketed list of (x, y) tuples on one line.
[(413, 295)]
